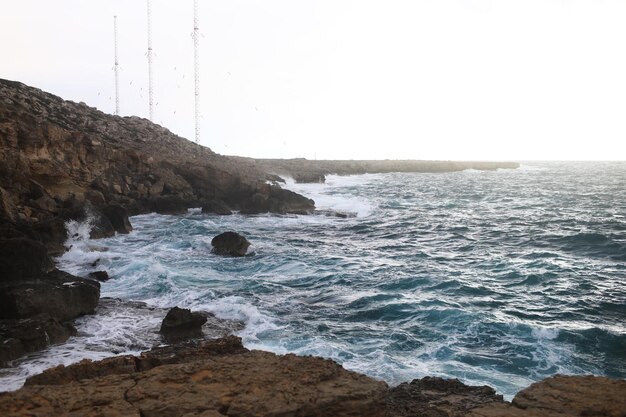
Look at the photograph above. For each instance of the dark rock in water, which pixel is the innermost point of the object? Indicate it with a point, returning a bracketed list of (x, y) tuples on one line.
[(57, 293), (101, 227), (273, 199), (309, 177), (171, 204), (217, 207), (118, 216), (180, 322), (432, 396), (19, 337), (22, 259), (99, 275), (230, 243)]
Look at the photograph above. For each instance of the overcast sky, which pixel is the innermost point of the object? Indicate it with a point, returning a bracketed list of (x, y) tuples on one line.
[(419, 79)]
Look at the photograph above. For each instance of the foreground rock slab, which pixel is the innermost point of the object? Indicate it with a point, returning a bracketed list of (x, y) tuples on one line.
[(228, 382), (560, 396)]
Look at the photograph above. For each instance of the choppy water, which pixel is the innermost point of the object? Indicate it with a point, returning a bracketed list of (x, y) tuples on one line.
[(498, 278)]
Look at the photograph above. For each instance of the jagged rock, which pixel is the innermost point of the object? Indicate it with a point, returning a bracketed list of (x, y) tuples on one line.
[(101, 227), (77, 153), (171, 204), (181, 323), (57, 293), (230, 244), (118, 216), (438, 397), (22, 259), (215, 378), (99, 276), (217, 207), (8, 210), (561, 396), (19, 337), (309, 177)]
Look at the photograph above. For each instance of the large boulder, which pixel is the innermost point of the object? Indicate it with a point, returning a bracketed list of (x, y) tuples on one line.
[(57, 293), (118, 216), (230, 244), (181, 323), (22, 336), (22, 259), (171, 204), (216, 206)]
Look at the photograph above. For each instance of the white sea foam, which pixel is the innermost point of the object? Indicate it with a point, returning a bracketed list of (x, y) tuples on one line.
[(331, 195)]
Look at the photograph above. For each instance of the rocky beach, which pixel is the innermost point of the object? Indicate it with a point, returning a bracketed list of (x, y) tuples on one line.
[(62, 161)]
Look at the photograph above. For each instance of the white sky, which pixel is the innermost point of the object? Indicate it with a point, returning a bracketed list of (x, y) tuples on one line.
[(419, 79)]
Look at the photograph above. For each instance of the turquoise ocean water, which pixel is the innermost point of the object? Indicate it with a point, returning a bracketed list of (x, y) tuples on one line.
[(498, 278)]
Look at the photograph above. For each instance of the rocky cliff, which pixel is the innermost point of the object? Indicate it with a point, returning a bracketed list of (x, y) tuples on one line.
[(57, 155)]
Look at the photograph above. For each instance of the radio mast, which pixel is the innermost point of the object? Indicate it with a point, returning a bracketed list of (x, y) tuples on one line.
[(117, 76), (196, 59), (150, 89)]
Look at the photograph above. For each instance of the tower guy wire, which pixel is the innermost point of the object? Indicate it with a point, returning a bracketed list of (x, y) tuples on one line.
[(150, 85), (117, 75), (196, 60)]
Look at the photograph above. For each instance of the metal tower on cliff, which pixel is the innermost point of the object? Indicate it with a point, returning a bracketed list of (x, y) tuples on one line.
[(150, 89), (196, 60), (117, 76)]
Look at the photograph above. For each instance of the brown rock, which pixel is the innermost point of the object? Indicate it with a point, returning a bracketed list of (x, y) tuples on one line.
[(234, 384), (560, 396)]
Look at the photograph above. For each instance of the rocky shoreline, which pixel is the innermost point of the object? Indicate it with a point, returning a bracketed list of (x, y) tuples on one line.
[(221, 377), (61, 161)]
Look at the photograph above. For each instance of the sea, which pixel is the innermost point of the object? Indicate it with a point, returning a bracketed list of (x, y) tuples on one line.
[(493, 277)]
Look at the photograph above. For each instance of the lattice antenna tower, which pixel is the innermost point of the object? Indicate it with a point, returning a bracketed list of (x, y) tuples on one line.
[(196, 59), (117, 65), (150, 88)]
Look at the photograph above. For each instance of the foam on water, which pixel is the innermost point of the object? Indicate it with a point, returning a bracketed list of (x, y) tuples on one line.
[(498, 278)]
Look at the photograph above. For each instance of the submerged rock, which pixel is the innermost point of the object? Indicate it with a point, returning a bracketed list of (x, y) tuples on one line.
[(230, 244), (22, 336), (57, 293)]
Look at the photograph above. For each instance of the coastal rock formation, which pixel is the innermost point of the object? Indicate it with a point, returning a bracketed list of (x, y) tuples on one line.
[(561, 396), (57, 155), (230, 244), (36, 303), (216, 378), (222, 378), (181, 323), (435, 397)]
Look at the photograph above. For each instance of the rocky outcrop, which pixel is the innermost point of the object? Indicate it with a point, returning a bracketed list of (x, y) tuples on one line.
[(561, 396), (36, 303), (216, 378), (181, 323), (438, 397), (230, 244), (58, 155)]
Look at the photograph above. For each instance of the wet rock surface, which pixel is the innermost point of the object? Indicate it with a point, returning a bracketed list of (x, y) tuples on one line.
[(182, 323), (230, 244)]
